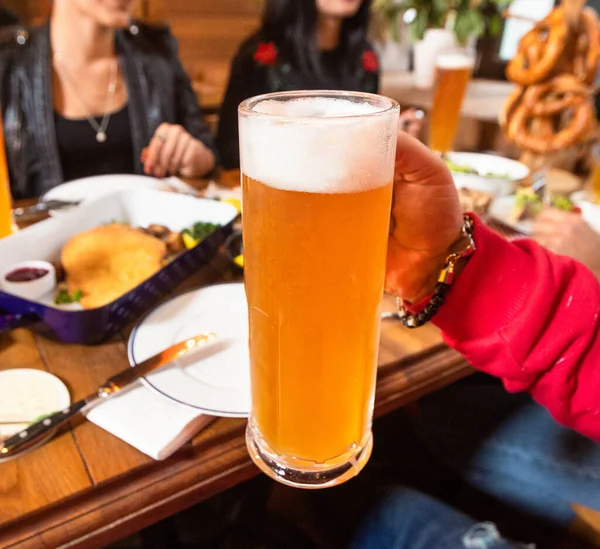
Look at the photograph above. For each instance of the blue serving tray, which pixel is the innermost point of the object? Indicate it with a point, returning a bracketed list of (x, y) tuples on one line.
[(141, 207)]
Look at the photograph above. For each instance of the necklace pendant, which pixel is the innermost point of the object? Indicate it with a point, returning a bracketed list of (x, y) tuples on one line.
[(101, 137)]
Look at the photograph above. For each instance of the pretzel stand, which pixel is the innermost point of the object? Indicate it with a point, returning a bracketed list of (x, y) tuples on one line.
[(550, 116)]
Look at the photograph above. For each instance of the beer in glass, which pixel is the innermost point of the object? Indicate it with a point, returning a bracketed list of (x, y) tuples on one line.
[(5, 199), (317, 171), (453, 72)]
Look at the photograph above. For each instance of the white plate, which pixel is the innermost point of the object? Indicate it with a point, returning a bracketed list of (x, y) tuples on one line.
[(27, 394), (590, 211), (216, 379), (484, 164), (92, 188), (501, 209)]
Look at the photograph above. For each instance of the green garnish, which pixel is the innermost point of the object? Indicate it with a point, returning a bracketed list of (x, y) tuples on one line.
[(463, 168), (63, 297), (563, 203), (527, 198), (460, 168), (498, 175), (200, 230)]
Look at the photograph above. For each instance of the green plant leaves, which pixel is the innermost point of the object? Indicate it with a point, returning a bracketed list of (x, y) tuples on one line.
[(468, 23), (495, 24), (466, 16)]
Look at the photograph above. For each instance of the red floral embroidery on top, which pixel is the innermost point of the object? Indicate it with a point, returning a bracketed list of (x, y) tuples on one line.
[(266, 53), (369, 61)]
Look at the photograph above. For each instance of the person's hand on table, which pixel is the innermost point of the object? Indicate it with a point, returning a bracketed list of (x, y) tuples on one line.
[(566, 233), (426, 220), (173, 151)]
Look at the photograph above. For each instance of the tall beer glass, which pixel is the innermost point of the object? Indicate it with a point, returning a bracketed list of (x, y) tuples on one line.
[(5, 199), (317, 172), (453, 72)]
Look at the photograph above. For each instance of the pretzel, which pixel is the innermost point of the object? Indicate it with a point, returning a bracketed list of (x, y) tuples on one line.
[(588, 43), (539, 50), (512, 101), (554, 96), (552, 116)]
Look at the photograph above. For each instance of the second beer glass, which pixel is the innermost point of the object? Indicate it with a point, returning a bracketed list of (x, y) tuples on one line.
[(317, 170), (452, 74)]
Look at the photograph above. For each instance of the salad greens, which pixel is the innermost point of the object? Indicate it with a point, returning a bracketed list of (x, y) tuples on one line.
[(464, 168), (63, 297), (200, 230)]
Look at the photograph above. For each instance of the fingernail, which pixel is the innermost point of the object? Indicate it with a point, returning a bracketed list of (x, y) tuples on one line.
[(158, 173)]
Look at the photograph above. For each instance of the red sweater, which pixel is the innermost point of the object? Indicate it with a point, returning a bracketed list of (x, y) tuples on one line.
[(530, 317)]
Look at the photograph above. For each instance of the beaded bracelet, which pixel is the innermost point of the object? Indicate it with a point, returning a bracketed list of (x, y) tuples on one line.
[(443, 284)]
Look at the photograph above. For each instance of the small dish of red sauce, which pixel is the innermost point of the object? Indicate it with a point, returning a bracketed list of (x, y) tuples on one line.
[(30, 279), (26, 274)]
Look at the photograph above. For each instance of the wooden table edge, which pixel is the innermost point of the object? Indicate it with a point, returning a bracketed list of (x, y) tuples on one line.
[(110, 512)]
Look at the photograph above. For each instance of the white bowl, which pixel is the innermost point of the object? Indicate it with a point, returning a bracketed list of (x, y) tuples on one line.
[(30, 289), (590, 211), (488, 164)]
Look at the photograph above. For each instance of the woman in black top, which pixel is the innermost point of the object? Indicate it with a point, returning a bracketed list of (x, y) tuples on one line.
[(91, 93), (302, 44)]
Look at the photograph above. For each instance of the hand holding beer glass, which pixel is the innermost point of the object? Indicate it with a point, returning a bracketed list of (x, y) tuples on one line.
[(317, 171), (453, 72)]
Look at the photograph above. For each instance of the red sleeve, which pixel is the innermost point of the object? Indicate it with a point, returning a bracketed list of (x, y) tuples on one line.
[(530, 317)]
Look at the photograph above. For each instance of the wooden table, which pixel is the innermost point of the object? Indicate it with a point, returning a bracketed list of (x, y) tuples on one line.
[(87, 488)]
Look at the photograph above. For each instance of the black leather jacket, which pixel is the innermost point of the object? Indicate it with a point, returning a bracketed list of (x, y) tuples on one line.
[(158, 91)]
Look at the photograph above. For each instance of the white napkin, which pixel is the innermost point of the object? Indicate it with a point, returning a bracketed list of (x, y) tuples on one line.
[(149, 422)]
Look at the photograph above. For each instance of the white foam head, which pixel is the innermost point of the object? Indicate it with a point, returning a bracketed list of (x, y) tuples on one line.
[(319, 144), (455, 60)]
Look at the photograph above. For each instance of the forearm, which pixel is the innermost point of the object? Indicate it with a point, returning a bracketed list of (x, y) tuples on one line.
[(531, 318)]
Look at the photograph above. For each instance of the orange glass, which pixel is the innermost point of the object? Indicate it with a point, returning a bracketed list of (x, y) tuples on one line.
[(6, 219), (453, 72), (317, 174)]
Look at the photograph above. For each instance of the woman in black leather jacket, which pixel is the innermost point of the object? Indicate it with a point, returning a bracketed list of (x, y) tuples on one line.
[(90, 93)]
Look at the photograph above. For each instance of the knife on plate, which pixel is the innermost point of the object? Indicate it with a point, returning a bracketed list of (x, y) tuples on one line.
[(38, 430)]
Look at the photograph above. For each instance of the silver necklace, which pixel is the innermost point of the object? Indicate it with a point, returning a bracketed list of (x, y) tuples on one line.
[(101, 128)]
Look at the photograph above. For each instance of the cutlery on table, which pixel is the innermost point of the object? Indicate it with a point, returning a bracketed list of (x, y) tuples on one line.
[(37, 431), (42, 208)]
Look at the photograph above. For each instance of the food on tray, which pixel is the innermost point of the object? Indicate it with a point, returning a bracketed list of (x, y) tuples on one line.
[(63, 297), (197, 233), (474, 201), (529, 204), (108, 261), (100, 265), (552, 107)]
